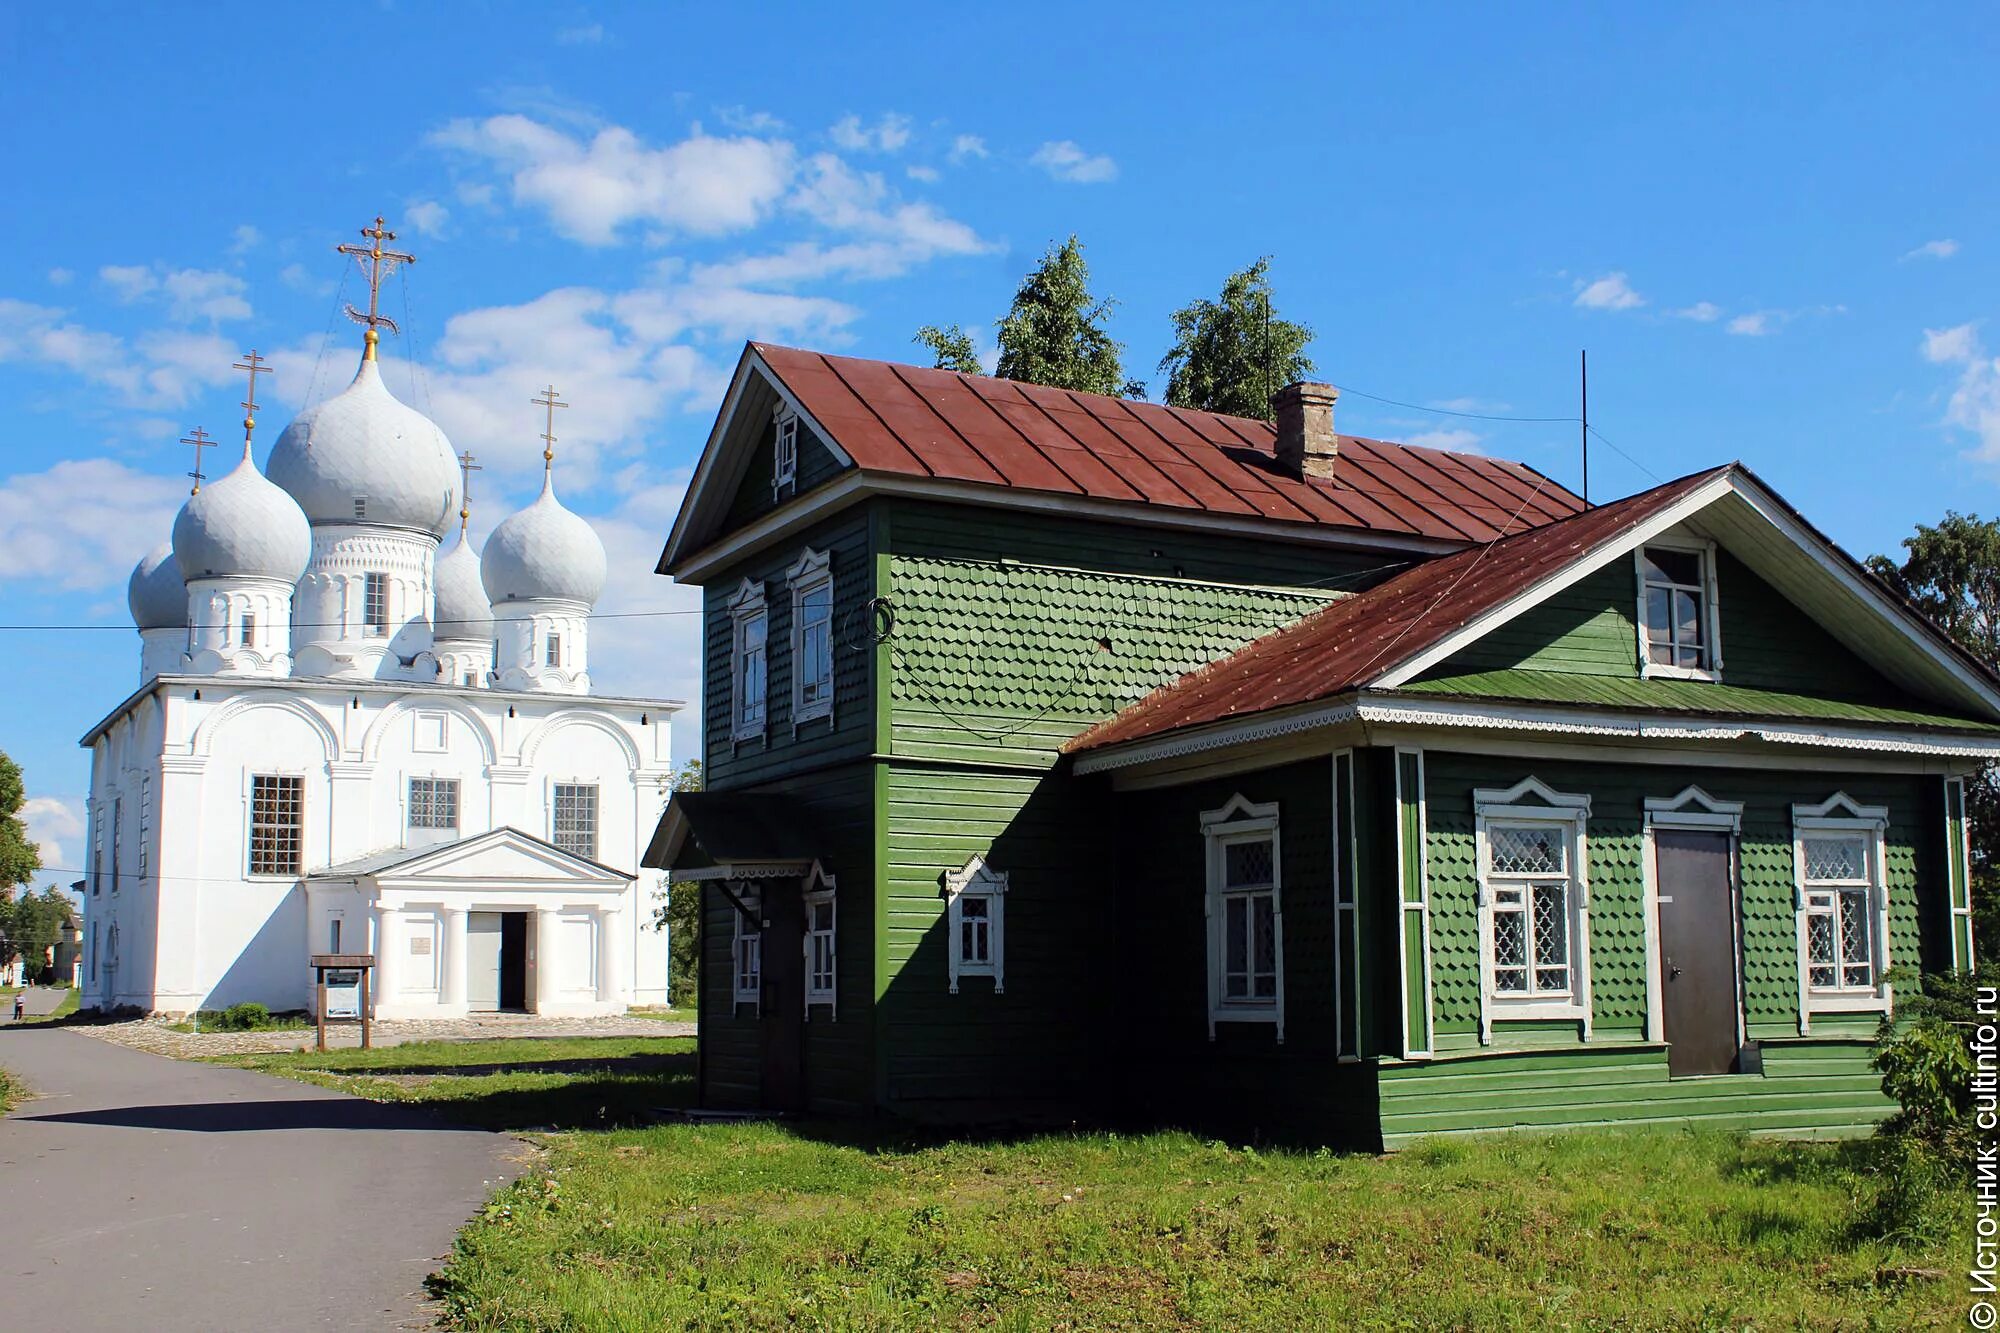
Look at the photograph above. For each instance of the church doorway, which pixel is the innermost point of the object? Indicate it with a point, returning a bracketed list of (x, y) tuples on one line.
[(496, 961)]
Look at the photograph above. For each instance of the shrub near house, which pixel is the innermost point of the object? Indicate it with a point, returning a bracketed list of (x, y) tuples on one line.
[(1065, 754)]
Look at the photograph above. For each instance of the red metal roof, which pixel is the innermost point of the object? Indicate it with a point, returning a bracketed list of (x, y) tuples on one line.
[(939, 423), (1359, 639)]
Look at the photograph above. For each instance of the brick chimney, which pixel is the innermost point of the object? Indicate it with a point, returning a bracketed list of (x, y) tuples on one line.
[(1307, 445)]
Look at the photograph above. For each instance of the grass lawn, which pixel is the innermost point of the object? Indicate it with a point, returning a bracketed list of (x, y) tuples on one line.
[(64, 1008), (836, 1226), (681, 1015)]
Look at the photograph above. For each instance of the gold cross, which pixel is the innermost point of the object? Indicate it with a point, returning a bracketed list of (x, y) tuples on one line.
[(466, 467), (376, 265), (254, 364), (199, 439), (549, 400)]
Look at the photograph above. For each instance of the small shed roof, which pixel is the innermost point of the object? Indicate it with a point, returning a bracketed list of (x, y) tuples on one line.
[(734, 835)]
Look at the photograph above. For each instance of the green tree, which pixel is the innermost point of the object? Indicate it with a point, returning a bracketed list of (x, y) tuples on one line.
[(680, 917), (33, 923), (18, 858), (1951, 573), (952, 347), (1230, 355), (1054, 332)]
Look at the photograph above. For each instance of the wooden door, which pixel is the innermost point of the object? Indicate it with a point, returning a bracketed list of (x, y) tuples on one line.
[(482, 961), (782, 1010), (1697, 887)]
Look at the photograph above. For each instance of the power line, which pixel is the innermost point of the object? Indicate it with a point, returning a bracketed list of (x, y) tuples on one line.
[(336, 624), (1448, 412), (1622, 454)]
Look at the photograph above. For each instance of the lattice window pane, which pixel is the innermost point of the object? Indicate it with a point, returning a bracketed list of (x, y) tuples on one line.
[(575, 823), (1246, 864), (975, 930), (1835, 859), (277, 824), (1510, 950), (433, 803), (1527, 849), (1857, 965), (1265, 917)]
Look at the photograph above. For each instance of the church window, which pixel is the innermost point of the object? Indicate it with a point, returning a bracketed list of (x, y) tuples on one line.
[(471, 679), (575, 822), (375, 605), (145, 822), (554, 651), (277, 823), (333, 934), (117, 837), (785, 453), (811, 580), (749, 664), (249, 630), (433, 803), (97, 850)]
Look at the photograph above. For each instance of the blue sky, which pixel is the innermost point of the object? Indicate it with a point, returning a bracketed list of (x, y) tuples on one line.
[(1772, 227)]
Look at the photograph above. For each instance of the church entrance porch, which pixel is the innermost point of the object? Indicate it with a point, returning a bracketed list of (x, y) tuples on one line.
[(500, 922), (496, 962)]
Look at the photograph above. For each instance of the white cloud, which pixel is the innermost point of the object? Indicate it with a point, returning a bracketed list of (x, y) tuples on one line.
[(61, 277), (1455, 438), (585, 34), (50, 820), (1701, 312), (592, 191), (245, 238), (159, 370), (965, 147), (426, 216), (191, 294), (888, 135), (840, 198), (1940, 249), (637, 654), (1975, 399), (1471, 405), (745, 121), (1610, 292), (1066, 161), (1756, 324), (82, 524), (300, 278), (474, 193), (928, 175)]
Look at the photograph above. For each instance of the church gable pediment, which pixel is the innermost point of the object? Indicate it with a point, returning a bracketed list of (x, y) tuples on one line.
[(506, 857)]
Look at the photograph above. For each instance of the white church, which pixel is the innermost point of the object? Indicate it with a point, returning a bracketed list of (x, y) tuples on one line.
[(347, 741)]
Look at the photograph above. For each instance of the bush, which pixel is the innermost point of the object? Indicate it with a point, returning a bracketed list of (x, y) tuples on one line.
[(1929, 1144)]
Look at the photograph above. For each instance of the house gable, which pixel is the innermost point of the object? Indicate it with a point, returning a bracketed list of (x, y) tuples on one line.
[(754, 496), (1590, 628)]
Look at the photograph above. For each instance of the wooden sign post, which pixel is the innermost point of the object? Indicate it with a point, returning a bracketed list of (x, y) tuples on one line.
[(343, 992)]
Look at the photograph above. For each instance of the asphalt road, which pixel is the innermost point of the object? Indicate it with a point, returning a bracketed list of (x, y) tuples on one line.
[(152, 1194)]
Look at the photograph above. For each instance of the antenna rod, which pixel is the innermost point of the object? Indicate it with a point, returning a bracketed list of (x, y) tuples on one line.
[(1583, 360)]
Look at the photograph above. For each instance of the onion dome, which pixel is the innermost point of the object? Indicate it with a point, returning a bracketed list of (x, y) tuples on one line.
[(363, 456), (462, 609), (242, 526), (156, 593), (543, 551)]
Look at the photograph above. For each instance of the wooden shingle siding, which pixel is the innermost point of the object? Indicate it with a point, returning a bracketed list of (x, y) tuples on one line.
[(1618, 959), (849, 734), (753, 498)]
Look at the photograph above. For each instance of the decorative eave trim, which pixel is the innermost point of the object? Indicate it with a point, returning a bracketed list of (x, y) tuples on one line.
[(746, 870), (1394, 711)]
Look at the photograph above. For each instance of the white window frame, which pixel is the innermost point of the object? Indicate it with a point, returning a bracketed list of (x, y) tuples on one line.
[(250, 825), (784, 451), (552, 645), (1530, 802), (820, 892), (596, 791), (976, 882), (1711, 667), (145, 825), (1841, 814), (372, 628), (247, 629), (811, 572), (746, 947), (436, 785), (96, 847), (1241, 821), (745, 608)]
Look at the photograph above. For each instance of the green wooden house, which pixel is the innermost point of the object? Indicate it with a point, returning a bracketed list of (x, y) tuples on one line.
[(1075, 757)]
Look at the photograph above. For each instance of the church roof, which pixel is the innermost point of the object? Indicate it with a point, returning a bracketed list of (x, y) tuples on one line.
[(364, 456), (413, 859)]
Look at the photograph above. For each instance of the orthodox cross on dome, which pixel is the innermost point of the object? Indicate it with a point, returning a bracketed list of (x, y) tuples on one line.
[(199, 439), (550, 399), (376, 265), (254, 364), (466, 467)]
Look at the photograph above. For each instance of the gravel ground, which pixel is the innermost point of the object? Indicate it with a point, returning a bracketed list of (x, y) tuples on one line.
[(153, 1034)]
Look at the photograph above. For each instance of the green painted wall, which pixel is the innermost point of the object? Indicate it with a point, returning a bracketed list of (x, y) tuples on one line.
[(753, 498), (849, 735), (1590, 628), (1915, 871)]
